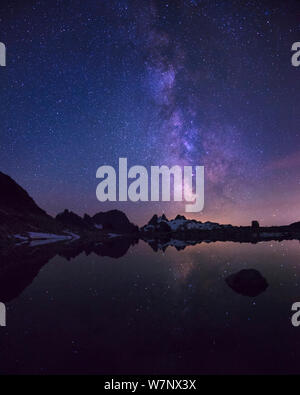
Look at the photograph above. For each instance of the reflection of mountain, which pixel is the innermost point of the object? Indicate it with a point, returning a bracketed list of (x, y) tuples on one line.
[(114, 248), (163, 243), (19, 266)]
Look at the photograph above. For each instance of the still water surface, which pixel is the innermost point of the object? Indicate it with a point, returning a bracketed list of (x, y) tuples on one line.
[(159, 312)]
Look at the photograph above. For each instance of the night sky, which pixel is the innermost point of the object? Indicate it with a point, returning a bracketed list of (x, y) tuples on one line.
[(159, 82)]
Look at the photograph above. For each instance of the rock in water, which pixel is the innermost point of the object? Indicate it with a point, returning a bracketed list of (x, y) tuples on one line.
[(248, 282)]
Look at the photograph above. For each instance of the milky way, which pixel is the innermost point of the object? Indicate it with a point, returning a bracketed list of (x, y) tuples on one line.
[(191, 140), (159, 82)]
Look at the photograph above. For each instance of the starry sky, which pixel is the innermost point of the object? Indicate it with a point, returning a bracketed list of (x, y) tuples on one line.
[(195, 82)]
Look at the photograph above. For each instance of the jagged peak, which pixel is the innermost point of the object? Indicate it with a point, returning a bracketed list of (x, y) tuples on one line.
[(153, 220), (178, 216), (164, 218)]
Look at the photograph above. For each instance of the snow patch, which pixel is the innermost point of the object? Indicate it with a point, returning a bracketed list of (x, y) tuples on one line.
[(20, 237), (183, 224), (36, 235), (113, 235), (37, 242)]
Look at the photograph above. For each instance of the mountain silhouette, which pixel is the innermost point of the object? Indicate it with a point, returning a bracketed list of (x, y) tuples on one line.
[(14, 198), (74, 221), (22, 219), (114, 220), (19, 212)]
